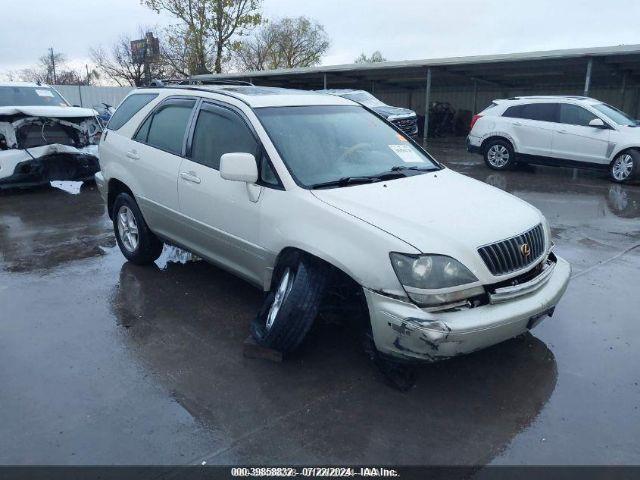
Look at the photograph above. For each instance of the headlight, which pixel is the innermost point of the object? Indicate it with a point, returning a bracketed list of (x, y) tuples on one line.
[(434, 280)]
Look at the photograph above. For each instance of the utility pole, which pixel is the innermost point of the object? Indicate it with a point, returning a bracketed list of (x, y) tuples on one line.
[(52, 57)]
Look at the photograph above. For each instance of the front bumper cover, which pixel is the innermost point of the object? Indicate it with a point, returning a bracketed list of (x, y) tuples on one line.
[(405, 331), (38, 166)]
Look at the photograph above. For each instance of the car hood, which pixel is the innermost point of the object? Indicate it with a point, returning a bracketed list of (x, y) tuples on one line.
[(387, 111), (438, 212), (49, 111)]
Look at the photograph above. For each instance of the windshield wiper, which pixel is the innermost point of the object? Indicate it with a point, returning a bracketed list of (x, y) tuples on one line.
[(400, 168), (344, 181)]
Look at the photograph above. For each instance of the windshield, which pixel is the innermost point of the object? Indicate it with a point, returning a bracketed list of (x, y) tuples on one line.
[(327, 143), (614, 114), (30, 96), (365, 98)]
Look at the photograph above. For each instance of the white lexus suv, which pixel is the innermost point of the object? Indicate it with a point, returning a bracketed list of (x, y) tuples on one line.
[(558, 131), (303, 194)]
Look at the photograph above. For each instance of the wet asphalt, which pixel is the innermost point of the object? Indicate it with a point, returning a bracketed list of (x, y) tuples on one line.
[(104, 362)]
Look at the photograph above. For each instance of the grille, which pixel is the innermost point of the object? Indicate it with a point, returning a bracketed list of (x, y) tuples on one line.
[(506, 256), (407, 125)]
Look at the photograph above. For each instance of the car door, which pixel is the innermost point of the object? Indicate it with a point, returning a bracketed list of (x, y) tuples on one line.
[(575, 140), (222, 216), (532, 125), (155, 159)]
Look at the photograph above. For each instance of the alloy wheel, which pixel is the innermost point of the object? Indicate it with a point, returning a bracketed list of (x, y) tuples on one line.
[(622, 167), (498, 155), (281, 294), (128, 229)]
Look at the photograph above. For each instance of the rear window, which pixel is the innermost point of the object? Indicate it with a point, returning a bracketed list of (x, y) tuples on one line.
[(489, 107), (127, 109), (545, 112)]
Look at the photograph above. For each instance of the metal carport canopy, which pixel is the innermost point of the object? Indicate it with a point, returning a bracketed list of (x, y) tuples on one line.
[(511, 69), (608, 66)]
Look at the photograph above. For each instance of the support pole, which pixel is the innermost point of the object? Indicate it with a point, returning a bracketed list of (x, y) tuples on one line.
[(324, 80), (623, 90), (475, 96), (427, 102), (587, 79)]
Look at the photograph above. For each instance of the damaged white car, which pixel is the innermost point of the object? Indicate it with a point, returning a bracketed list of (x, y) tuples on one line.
[(305, 195), (44, 138)]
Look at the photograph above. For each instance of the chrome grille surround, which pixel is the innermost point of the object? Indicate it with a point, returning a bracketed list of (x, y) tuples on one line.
[(506, 256)]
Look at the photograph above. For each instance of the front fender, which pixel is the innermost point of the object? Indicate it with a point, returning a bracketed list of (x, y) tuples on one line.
[(357, 248)]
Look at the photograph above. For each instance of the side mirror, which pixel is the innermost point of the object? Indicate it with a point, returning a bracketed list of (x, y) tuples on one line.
[(597, 123), (239, 167)]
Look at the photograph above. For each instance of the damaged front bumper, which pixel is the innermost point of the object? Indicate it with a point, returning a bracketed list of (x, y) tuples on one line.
[(40, 165), (403, 330)]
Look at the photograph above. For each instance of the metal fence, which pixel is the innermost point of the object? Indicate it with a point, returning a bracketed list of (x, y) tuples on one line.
[(88, 96)]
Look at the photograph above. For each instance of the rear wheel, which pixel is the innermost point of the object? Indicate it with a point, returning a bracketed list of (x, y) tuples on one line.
[(292, 304), (137, 243), (623, 167), (499, 155)]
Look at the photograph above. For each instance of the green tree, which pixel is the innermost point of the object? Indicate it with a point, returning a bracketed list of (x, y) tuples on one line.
[(206, 29)]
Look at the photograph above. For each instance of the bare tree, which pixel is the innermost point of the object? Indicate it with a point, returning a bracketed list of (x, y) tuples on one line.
[(52, 69), (206, 29), (284, 43), (374, 58), (116, 63)]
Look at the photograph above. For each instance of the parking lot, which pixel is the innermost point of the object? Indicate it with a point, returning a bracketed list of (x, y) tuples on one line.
[(104, 362)]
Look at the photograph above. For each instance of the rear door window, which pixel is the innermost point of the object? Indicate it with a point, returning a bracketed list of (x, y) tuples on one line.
[(168, 125), (544, 112), (575, 115), (128, 108)]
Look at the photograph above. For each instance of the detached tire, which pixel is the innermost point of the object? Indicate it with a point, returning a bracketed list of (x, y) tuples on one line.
[(137, 243), (624, 166), (292, 304), (499, 155)]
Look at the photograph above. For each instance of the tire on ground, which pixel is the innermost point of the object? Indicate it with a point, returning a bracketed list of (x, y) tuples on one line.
[(300, 306), (632, 173), (149, 246), (497, 143)]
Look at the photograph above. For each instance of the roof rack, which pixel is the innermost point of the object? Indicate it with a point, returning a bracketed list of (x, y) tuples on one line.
[(165, 82), (533, 97), (221, 82)]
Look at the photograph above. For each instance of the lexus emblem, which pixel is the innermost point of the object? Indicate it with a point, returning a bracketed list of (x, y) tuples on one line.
[(525, 250)]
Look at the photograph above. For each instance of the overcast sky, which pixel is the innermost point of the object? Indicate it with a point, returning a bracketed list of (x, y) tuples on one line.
[(400, 29)]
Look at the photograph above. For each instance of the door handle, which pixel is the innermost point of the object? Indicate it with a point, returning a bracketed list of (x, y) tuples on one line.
[(562, 132), (517, 124), (190, 177), (133, 155)]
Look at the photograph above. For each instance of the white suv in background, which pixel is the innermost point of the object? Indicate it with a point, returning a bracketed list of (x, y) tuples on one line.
[(558, 131), (301, 193)]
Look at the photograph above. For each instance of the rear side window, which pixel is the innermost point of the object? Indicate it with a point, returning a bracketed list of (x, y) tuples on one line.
[(167, 126), (575, 115), (128, 108), (545, 112), (219, 131)]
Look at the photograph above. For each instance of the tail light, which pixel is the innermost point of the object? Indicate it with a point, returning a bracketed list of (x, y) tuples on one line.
[(474, 120)]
